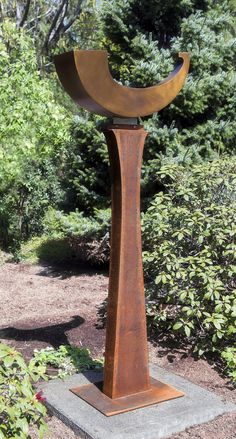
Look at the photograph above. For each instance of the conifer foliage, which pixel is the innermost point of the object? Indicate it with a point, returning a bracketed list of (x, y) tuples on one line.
[(143, 38)]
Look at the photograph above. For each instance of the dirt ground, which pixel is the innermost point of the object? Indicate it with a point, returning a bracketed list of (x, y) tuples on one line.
[(47, 306)]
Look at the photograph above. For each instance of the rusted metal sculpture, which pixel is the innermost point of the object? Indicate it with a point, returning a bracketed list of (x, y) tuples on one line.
[(86, 78)]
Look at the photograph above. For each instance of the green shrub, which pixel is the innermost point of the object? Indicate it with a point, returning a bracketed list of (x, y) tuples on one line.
[(88, 236), (34, 134), (189, 254), (229, 356), (20, 405), (67, 360), (69, 237), (45, 249), (142, 37)]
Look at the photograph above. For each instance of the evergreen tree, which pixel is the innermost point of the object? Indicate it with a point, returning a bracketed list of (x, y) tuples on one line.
[(146, 34), (142, 38)]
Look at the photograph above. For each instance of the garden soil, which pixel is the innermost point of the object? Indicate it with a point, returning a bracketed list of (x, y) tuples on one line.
[(41, 306)]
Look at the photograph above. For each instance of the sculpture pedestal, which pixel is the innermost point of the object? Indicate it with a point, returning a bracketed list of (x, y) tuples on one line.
[(93, 395), (126, 384)]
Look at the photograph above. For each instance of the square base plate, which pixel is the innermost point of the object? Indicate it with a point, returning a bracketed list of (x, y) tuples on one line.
[(156, 421), (93, 395)]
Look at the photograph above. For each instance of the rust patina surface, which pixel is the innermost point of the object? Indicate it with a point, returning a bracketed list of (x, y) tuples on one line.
[(85, 76)]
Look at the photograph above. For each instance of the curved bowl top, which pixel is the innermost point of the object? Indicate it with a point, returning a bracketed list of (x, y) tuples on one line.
[(86, 77)]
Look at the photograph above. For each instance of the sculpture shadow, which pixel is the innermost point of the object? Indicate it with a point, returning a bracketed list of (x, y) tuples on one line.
[(94, 377), (66, 270), (55, 335)]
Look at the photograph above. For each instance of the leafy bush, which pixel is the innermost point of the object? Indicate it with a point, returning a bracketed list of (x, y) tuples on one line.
[(67, 360), (189, 254), (141, 38), (88, 236), (70, 237), (20, 406), (229, 356), (34, 132), (45, 248)]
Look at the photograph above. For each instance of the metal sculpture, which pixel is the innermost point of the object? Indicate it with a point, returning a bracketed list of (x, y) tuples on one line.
[(86, 78)]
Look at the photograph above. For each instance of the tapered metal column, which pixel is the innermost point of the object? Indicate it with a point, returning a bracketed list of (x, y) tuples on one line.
[(126, 385), (126, 357)]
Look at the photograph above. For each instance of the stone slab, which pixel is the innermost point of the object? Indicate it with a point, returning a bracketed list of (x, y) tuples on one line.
[(152, 422)]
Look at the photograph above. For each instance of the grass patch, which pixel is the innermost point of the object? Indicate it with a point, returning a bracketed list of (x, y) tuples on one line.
[(46, 249)]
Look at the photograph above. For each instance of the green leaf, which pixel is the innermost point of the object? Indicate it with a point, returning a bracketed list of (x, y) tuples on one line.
[(183, 295), (8, 361), (43, 430), (217, 324), (23, 425), (200, 352), (163, 278), (200, 239), (177, 326), (187, 331), (158, 279)]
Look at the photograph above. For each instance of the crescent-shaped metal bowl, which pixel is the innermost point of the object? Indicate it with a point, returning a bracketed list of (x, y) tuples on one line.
[(86, 77)]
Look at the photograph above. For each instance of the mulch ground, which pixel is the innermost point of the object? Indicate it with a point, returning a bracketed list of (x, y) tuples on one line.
[(47, 306)]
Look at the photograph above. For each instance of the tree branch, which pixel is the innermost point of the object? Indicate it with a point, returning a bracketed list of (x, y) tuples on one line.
[(72, 20), (60, 25), (62, 28), (54, 22), (25, 14)]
